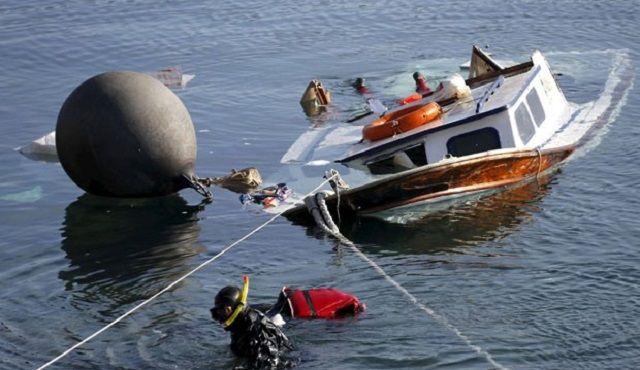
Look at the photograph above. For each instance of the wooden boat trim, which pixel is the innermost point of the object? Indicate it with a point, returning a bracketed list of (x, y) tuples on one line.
[(481, 54), (466, 161), (460, 190), (474, 82), (462, 161), (433, 181)]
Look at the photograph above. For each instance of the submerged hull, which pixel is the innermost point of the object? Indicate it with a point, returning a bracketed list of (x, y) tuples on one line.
[(444, 181)]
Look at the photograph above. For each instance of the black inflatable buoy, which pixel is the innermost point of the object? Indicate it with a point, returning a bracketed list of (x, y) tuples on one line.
[(124, 134)]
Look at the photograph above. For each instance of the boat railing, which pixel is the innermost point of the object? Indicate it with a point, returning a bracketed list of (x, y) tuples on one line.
[(487, 94)]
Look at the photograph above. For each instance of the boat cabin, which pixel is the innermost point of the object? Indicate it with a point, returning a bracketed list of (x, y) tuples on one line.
[(510, 108)]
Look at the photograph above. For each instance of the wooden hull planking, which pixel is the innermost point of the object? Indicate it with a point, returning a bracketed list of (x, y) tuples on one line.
[(444, 181)]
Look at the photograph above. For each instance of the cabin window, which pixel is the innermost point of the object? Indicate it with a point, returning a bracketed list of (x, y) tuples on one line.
[(383, 166), (526, 128), (417, 154), (474, 142), (533, 100), (400, 161)]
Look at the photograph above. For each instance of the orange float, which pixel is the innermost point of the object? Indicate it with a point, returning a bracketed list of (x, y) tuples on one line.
[(400, 121), (410, 99)]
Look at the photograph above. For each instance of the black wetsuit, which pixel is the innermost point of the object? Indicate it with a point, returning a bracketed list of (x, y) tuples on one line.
[(260, 341)]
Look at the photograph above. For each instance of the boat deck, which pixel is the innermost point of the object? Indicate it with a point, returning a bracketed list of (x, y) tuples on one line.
[(342, 143)]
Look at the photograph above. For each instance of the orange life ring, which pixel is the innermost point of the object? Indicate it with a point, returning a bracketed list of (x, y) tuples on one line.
[(400, 121)]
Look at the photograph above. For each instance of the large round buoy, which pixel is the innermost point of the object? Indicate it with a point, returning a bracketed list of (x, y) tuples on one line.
[(124, 134)]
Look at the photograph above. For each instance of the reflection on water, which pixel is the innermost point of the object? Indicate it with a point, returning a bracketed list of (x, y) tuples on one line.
[(126, 249), (462, 225)]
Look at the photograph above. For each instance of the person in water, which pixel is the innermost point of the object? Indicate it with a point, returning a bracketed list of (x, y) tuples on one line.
[(360, 86), (254, 336), (255, 330), (421, 83)]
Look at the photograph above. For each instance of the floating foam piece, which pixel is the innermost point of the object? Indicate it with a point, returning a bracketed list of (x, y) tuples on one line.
[(43, 148), (172, 77), (186, 78), (319, 162), (376, 106)]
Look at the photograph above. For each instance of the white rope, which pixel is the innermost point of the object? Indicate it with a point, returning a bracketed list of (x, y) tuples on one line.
[(318, 207), (539, 162), (171, 285)]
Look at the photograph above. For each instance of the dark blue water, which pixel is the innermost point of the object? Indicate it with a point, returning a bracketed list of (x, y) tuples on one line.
[(545, 276)]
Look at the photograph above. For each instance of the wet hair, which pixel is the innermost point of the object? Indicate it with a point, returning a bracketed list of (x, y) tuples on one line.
[(417, 75), (359, 82)]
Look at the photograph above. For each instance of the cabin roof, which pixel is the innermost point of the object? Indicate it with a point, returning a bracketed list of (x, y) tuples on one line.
[(458, 113), (343, 143)]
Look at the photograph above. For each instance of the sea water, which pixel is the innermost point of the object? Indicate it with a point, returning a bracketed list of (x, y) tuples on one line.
[(544, 276)]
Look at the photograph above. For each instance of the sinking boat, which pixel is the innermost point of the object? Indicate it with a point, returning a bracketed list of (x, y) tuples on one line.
[(504, 127)]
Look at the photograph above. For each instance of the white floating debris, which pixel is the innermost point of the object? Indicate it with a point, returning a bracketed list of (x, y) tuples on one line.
[(172, 77), (318, 162), (376, 106), (43, 148)]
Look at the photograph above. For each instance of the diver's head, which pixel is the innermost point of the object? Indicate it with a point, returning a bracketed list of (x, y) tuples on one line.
[(229, 303), (359, 83), (418, 76), (225, 303)]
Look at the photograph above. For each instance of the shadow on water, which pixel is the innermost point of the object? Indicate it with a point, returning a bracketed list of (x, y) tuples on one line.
[(453, 230), (124, 250)]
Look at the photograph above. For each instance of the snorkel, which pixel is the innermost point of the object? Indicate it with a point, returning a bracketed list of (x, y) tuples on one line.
[(240, 305)]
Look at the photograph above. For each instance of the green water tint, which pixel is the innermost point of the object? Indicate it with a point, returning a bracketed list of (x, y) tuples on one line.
[(27, 196)]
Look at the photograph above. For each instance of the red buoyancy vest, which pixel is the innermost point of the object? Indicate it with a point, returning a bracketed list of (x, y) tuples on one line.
[(410, 99), (362, 90), (324, 303)]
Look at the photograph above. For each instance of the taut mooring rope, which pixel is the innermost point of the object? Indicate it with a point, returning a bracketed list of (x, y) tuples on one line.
[(318, 209)]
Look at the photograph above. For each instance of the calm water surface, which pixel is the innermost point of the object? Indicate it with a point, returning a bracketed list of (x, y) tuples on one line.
[(541, 277)]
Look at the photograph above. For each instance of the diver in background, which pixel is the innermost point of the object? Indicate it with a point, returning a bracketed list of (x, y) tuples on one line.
[(360, 86), (421, 83)]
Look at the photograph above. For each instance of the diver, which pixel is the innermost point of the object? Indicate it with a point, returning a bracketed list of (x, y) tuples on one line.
[(255, 330), (421, 84), (253, 335)]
